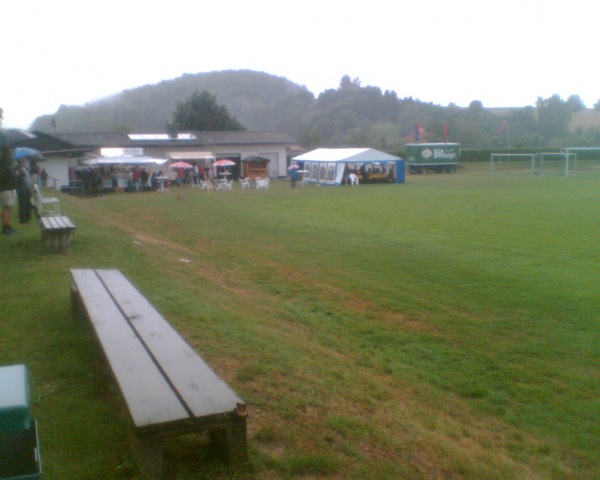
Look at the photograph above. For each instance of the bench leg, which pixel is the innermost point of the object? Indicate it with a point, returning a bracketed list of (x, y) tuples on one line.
[(148, 453), (76, 308), (230, 442)]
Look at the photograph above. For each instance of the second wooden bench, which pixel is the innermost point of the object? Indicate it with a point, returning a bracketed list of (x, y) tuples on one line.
[(57, 232)]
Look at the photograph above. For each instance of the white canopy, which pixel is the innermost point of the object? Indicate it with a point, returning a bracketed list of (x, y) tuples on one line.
[(347, 155), (123, 160), (327, 165), (184, 156)]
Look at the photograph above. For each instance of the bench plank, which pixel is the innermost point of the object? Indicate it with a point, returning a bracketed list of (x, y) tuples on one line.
[(149, 397), (57, 223), (202, 391)]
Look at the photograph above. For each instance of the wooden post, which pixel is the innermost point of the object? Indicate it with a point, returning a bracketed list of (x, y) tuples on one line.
[(148, 453)]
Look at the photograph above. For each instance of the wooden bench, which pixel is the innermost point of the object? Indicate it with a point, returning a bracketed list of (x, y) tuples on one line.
[(167, 387), (57, 232)]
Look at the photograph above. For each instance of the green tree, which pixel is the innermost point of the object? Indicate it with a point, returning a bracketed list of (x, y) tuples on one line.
[(575, 104), (554, 116), (200, 111), (476, 106)]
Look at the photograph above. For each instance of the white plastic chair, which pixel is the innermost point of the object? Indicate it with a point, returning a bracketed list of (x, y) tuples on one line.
[(353, 179), (52, 204), (245, 183), (262, 184)]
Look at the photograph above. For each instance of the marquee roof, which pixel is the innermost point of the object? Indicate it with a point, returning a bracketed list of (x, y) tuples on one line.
[(191, 156), (348, 155), (122, 159)]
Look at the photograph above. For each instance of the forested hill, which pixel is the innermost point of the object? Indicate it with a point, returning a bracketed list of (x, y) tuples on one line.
[(347, 115), (259, 100)]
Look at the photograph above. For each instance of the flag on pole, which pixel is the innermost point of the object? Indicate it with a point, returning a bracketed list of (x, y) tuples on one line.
[(501, 127), (417, 131), (445, 130)]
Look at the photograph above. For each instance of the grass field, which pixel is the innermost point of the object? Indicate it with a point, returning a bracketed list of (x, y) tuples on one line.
[(444, 328)]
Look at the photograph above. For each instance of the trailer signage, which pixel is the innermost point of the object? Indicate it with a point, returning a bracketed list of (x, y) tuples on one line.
[(444, 154)]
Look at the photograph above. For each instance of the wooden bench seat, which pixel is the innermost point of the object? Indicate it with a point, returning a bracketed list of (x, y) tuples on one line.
[(167, 387), (57, 232)]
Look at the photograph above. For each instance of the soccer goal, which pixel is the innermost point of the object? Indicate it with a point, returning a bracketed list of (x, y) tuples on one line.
[(563, 163), (583, 160), (513, 163)]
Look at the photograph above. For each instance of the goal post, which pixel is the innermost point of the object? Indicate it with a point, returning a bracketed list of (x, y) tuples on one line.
[(569, 159), (568, 162), (587, 158), (512, 162)]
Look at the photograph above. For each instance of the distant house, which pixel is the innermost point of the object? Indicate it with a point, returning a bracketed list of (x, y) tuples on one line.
[(64, 151)]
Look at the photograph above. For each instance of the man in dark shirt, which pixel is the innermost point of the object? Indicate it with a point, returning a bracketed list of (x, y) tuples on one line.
[(8, 183)]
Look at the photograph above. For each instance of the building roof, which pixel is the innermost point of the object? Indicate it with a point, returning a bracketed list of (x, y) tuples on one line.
[(52, 145), (183, 140)]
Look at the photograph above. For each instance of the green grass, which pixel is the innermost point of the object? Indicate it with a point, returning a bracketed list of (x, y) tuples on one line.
[(444, 328)]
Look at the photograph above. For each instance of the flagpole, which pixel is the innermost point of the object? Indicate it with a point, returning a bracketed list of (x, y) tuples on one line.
[(508, 134), (445, 130)]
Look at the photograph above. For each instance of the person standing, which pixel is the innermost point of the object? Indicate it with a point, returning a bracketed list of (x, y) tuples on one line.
[(195, 173), (144, 178), (8, 183), (44, 177), (24, 191), (363, 173), (136, 178), (293, 177)]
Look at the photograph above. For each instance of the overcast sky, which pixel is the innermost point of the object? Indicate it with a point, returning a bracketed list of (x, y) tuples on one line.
[(503, 53)]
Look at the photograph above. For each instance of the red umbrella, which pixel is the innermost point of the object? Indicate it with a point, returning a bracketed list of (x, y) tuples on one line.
[(224, 163), (183, 165)]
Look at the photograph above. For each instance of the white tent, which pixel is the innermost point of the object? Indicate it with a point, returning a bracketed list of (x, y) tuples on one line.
[(327, 165), (122, 160)]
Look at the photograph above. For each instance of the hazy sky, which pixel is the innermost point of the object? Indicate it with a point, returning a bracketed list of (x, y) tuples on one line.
[(503, 53)]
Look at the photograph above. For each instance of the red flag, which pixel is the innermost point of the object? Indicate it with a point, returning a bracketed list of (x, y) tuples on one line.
[(417, 131)]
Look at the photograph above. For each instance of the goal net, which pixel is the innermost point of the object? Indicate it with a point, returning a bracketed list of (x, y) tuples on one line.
[(553, 163), (581, 160), (513, 163)]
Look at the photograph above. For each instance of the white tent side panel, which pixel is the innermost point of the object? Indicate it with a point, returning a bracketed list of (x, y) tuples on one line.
[(326, 165)]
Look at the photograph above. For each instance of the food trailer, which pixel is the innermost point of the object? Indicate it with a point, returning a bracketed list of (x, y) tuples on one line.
[(432, 157)]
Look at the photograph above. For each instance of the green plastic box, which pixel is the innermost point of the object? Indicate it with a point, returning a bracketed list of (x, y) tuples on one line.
[(14, 399), (19, 442)]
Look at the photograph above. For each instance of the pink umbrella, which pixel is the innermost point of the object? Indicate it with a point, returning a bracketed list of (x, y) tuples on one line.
[(224, 163), (183, 165)]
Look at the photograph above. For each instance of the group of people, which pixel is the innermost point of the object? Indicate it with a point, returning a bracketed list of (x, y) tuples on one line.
[(16, 187), (197, 174), (97, 180)]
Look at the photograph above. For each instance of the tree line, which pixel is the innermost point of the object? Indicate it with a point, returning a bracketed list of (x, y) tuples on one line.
[(349, 115)]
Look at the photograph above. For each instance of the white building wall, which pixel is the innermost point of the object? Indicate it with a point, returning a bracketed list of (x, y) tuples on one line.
[(58, 167), (58, 171)]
